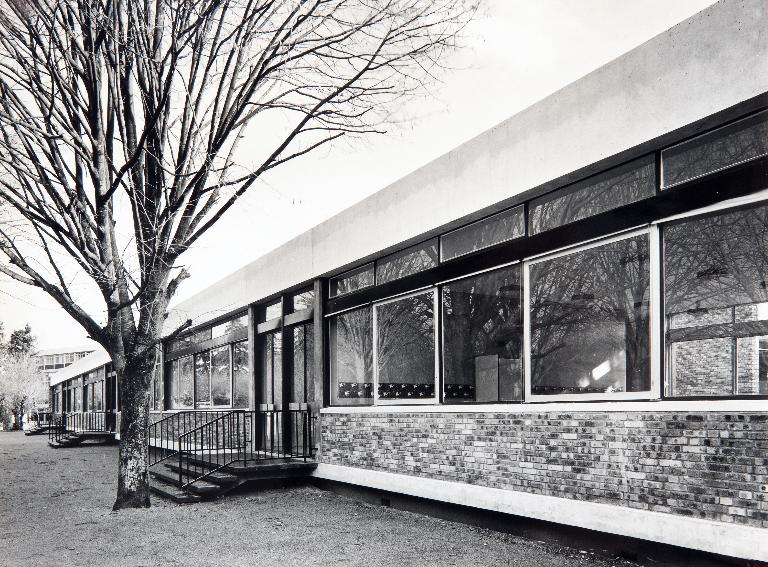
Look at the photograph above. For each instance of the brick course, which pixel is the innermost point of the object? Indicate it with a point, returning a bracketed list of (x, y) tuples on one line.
[(703, 465)]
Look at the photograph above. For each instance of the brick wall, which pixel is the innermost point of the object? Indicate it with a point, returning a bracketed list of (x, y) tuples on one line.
[(703, 465)]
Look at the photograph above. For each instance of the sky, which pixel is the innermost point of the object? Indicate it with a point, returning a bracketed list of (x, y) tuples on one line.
[(514, 53)]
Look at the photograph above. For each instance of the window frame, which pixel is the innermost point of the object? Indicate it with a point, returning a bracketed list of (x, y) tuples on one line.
[(654, 273), (436, 324)]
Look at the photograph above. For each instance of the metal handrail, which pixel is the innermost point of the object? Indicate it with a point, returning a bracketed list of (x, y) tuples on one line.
[(164, 434), (242, 435)]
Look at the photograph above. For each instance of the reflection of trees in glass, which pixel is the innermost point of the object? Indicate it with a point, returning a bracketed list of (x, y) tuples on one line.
[(203, 379), (220, 380), (351, 353), (482, 322), (240, 374), (272, 368), (352, 281), (741, 141), (405, 352), (715, 294), (589, 320), (484, 233), (408, 262), (186, 377), (303, 370), (616, 187)]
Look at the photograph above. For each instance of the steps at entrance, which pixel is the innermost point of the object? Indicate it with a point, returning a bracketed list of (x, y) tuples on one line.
[(73, 439), (165, 477)]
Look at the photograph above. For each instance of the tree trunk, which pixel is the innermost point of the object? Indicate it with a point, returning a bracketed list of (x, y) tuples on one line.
[(134, 387)]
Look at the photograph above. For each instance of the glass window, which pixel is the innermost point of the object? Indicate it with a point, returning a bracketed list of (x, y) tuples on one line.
[(407, 262), (304, 300), (221, 381), (483, 338), (352, 280), (303, 370), (240, 374), (589, 320), (716, 304), (614, 188), (273, 310), (272, 368), (351, 357), (157, 381), (203, 379), (98, 396), (405, 348), (741, 141), (229, 327), (186, 376), (484, 233)]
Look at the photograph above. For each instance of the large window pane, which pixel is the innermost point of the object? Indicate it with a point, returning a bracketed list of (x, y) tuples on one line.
[(619, 186), (157, 382), (221, 381), (300, 361), (203, 380), (405, 348), (303, 300), (407, 262), (736, 143), (98, 396), (186, 383), (352, 280), (589, 320), (273, 310), (716, 302), (351, 357), (482, 338), (484, 233), (271, 369), (241, 374)]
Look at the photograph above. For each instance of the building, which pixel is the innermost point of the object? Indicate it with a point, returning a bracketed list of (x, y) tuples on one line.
[(51, 360), (564, 319)]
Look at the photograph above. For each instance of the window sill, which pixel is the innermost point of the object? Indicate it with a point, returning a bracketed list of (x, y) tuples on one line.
[(702, 406)]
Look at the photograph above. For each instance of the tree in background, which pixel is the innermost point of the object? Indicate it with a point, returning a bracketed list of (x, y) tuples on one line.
[(21, 341), (22, 385), (120, 131)]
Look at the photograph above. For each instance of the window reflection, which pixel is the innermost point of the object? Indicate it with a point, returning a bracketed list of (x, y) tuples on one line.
[(730, 145), (482, 338), (616, 187), (407, 262), (405, 348), (240, 374), (221, 383), (716, 302), (352, 280), (351, 357), (484, 233), (589, 320)]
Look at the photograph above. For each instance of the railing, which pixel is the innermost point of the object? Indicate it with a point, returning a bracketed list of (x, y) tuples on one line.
[(57, 429), (244, 436), (42, 418), (91, 422), (164, 434)]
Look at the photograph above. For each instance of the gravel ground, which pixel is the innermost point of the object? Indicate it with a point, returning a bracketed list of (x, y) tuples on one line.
[(55, 509)]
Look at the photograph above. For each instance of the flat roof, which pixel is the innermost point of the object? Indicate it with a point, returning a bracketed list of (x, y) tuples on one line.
[(90, 347), (95, 360)]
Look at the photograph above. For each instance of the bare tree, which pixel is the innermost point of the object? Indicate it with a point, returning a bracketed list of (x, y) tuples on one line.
[(130, 114), (22, 385)]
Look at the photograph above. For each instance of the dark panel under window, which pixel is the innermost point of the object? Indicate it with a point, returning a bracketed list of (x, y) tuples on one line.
[(482, 338), (484, 233), (350, 281), (614, 188), (716, 303), (738, 142), (590, 320), (407, 262)]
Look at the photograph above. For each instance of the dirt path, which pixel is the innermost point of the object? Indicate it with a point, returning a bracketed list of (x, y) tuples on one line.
[(55, 510)]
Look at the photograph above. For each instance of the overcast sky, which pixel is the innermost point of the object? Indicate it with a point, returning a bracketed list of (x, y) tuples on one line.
[(515, 53)]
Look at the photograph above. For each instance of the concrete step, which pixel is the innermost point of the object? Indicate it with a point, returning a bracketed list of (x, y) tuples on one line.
[(270, 470), (172, 492), (201, 487), (218, 477)]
